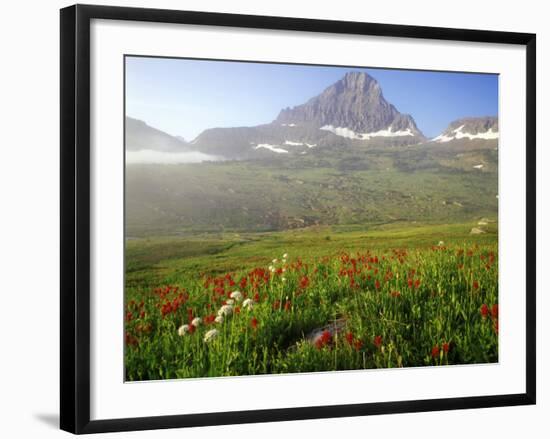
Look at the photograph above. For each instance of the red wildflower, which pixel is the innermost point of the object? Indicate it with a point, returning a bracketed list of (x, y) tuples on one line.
[(417, 283), (377, 341), (304, 282), (324, 339), (494, 311), (129, 316), (476, 285), (377, 284), (410, 282), (349, 337), (287, 305), (357, 344), (191, 328), (484, 310), (435, 351), (142, 314), (209, 319), (166, 309), (237, 309), (445, 347), (254, 322), (395, 294), (130, 340)]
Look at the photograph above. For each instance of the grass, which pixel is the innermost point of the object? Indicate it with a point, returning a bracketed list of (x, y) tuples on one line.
[(333, 190), (345, 297)]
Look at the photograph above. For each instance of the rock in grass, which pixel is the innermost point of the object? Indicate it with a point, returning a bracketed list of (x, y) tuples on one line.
[(333, 328)]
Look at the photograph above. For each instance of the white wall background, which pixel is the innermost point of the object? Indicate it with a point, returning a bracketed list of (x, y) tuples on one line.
[(29, 186)]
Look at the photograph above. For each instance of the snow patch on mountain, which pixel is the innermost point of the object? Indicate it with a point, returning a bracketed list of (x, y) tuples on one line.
[(350, 134), (288, 142), (390, 133), (342, 132), (459, 134), (274, 148), (442, 138)]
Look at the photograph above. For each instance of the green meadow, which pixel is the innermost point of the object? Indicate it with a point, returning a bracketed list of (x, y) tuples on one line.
[(316, 298)]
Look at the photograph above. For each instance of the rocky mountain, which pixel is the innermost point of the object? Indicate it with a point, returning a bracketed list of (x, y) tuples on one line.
[(141, 137), (470, 128), (354, 103), (350, 116), (350, 113)]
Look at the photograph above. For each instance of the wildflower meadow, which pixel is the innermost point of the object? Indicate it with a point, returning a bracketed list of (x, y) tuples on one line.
[(309, 303)]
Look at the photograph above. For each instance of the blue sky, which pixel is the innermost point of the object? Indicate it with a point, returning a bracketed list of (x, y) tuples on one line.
[(184, 97)]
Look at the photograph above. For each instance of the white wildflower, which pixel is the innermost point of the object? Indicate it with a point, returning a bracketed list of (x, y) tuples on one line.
[(441, 243), (274, 261), (271, 268), (283, 278), (285, 256), (196, 321), (229, 302), (182, 330), (248, 303), (213, 333), (237, 295), (283, 269), (219, 319), (225, 310)]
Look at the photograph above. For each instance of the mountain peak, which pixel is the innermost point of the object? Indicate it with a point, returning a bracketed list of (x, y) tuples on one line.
[(361, 82), (354, 103), (470, 128)]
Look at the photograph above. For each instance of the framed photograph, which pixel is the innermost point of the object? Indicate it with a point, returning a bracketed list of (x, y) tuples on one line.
[(275, 218)]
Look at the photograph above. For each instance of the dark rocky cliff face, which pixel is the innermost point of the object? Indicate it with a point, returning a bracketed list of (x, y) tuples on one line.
[(355, 102)]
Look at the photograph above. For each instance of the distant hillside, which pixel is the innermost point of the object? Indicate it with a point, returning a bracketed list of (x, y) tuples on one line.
[(140, 136), (426, 183)]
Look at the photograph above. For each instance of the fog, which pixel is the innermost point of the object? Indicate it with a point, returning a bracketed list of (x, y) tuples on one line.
[(145, 156)]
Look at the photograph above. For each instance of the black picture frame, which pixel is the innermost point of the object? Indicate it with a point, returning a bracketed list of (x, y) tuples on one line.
[(75, 217)]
